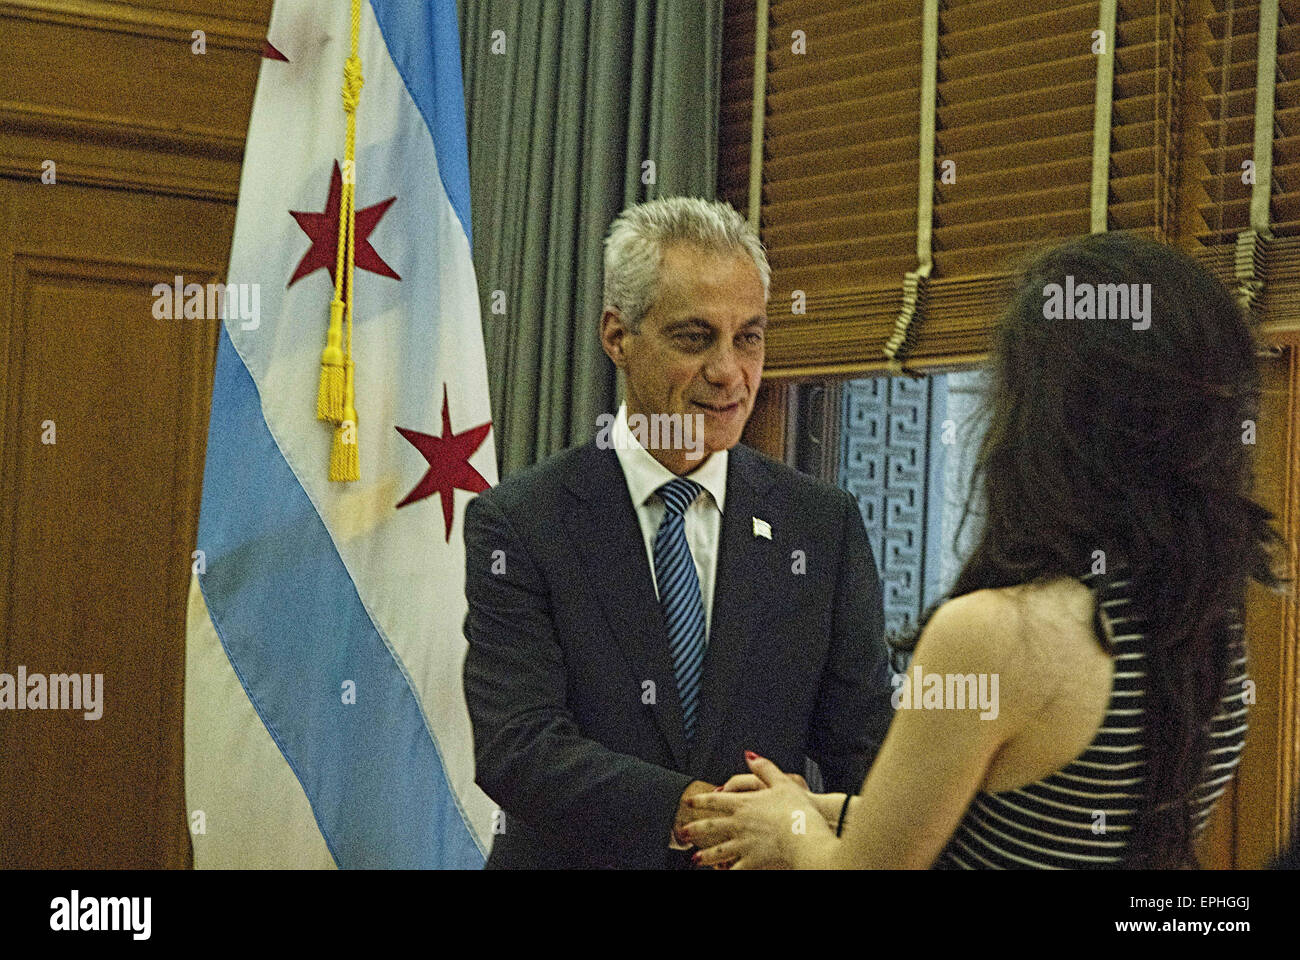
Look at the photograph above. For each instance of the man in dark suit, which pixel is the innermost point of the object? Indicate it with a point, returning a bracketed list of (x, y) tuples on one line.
[(646, 608)]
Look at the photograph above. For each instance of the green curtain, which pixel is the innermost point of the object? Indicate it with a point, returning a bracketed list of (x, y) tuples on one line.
[(560, 123)]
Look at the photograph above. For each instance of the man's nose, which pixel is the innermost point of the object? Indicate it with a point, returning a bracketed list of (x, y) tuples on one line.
[(723, 366)]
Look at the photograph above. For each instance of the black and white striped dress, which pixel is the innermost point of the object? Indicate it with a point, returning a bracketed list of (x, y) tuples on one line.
[(1080, 817)]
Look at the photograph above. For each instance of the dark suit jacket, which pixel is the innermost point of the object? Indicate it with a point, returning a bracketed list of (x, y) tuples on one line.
[(577, 726)]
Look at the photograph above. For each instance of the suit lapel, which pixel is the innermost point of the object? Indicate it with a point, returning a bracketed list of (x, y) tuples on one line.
[(740, 595), (607, 536)]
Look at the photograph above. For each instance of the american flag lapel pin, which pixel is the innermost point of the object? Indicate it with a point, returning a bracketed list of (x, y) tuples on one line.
[(762, 529)]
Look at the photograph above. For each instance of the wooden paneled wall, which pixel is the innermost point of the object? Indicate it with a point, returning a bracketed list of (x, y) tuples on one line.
[(120, 151)]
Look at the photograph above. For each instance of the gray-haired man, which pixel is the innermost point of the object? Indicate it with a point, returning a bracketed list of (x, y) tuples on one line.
[(669, 598)]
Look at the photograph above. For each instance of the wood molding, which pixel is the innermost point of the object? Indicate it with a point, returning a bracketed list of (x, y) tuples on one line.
[(142, 181), (1289, 734), (121, 151), (45, 120), (140, 111), (144, 21), (1281, 333)]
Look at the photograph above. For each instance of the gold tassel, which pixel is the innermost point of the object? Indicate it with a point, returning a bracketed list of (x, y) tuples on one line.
[(329, 398), (345, 463)]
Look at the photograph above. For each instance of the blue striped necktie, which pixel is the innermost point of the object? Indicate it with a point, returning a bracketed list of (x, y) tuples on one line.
[(679, 596)]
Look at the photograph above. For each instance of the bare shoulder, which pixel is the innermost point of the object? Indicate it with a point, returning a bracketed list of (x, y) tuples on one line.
[(999, 632), (983, 622), (1025, 612), (1056, 616), (980, 608)]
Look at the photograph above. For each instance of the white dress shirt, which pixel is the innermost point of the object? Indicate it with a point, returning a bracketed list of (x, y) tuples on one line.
[(703, 518)]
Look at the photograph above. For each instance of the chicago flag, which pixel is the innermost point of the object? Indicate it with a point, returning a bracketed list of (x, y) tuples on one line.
[(325, 723)]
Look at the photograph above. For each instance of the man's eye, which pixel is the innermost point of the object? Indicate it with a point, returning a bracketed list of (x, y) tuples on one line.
[(692, 339), (753, 339)]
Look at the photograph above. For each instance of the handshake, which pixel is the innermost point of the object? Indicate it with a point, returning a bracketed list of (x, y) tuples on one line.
[(758, 820)]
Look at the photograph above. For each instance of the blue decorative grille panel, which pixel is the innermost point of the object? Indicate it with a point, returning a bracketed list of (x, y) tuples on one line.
[(908, 468), (884, 465)]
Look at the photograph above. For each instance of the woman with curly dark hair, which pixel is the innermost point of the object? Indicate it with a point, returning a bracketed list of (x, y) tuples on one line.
[(1101, 606)]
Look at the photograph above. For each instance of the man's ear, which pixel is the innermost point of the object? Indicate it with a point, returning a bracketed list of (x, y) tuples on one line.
[(613, 331)]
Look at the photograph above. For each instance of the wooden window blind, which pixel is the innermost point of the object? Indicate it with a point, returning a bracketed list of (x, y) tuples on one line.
[(1286, 125), (1145, 122), (1226, 63), (841, 210), (1280, 301), (1015, 122), (840, 169), (734, 118), (1014, 113), (1015, 119), (1222, 93)]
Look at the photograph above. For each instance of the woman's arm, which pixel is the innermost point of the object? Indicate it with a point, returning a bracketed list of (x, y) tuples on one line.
[(933, 761)]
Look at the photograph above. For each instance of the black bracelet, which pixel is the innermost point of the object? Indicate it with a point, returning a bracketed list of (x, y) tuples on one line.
[(839, 828)]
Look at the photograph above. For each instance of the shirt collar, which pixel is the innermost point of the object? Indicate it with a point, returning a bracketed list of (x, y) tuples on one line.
[(645, 474)]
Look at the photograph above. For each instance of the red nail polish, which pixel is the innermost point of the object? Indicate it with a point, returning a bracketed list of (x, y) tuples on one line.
[(695, 859), (750, 755), (717, 789)]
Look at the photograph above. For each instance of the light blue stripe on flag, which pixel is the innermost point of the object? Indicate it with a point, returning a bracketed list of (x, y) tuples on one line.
[(290, 619), (423, 38)]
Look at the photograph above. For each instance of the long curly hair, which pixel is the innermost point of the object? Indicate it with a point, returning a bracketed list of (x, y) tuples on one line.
[(1130, 436)]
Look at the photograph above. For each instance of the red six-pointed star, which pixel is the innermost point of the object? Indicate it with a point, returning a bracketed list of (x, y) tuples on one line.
[(449, 468), (323, 229)]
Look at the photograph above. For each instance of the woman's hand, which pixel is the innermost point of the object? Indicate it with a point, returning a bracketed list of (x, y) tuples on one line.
[(828, 805), (743, 782), (768, 822)]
